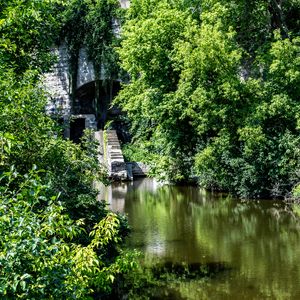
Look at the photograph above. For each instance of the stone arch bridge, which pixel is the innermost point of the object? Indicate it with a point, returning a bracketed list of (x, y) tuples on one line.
[(80, 107), (80, 111)]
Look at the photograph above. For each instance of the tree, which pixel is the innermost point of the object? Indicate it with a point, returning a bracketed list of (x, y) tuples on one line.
[(214, 94), (28, 29), (148, 55), (39, 255)]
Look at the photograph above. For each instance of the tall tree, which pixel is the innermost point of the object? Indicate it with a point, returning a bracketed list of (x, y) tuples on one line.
[(202, 91)]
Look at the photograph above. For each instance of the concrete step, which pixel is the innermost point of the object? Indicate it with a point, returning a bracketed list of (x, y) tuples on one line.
[(116, 165)]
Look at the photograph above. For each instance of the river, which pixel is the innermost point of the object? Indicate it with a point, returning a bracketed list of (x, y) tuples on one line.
[(258, 241)]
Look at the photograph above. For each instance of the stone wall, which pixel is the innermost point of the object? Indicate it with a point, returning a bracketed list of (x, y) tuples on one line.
[(86, 72), (57, 83), (124, 3)]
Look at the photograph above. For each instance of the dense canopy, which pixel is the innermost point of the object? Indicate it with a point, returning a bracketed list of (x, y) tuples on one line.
[(214, 91)]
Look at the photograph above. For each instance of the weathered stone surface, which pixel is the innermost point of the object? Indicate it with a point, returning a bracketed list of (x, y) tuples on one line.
[(86, 72), (100, 150), (57, 84), (125, 3), (116, 165), (138, 169), (58, 81)]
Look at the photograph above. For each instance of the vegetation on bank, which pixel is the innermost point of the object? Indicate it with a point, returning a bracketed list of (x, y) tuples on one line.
[(57, 240), (214, 91)]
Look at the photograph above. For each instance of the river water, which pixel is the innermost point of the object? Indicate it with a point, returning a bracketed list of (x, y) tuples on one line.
[(259, 241)]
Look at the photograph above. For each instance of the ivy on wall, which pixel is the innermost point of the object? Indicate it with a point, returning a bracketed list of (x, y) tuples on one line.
[(92, 24)]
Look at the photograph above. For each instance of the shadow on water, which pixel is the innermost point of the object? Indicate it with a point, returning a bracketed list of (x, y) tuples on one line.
[(172, 274), (163, 280), (188, 271)]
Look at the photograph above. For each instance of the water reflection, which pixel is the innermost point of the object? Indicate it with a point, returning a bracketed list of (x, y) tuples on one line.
[(257, 239)]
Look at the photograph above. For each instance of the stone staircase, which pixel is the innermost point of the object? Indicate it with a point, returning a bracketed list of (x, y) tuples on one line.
[(110, 155), (114, 158)]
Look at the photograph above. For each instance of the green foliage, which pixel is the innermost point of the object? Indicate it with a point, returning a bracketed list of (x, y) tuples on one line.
[(58, 241), (296, 209), (147, 53), (30, 137), (28, 29), (100, 38), (213, 91), (134, 153), (25, 130), (38, 254), (296, 191), (92, 24)]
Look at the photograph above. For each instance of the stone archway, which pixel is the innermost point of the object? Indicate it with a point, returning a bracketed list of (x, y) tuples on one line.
[(88, 102), (94, 107)]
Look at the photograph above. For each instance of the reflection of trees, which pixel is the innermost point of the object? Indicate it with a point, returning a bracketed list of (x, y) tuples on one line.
[(258, 239), (186, 224), (162, 220)]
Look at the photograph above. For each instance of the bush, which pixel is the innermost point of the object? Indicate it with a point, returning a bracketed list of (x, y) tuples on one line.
[(39, 256)]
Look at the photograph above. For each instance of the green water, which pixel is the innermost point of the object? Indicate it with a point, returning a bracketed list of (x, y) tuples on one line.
[(258, 240)]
